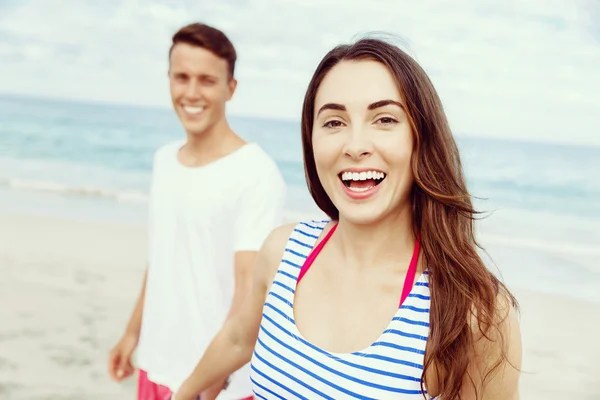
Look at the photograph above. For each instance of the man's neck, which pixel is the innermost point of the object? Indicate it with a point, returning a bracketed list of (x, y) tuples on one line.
[(216, 142)]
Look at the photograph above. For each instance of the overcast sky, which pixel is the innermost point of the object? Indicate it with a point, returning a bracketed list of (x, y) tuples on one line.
[(520, 69)]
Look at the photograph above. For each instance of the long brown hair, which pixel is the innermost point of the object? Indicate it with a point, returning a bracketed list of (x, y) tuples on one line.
[(462, 288)]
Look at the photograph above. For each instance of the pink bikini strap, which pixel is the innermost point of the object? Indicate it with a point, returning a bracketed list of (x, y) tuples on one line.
[(313, 254), (410, 274), (412, 271)]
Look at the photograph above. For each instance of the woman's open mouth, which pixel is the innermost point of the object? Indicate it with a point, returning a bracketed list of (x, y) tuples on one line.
[(363, 181)]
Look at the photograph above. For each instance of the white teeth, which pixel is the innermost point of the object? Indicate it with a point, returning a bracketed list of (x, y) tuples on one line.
[(193, 110), (362, 176), (360, 189)]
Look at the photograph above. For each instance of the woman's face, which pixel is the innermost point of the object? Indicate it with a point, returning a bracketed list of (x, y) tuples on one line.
[(362, 141)]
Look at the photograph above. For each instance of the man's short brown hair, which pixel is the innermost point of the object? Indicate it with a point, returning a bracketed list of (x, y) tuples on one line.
[(209, 38)]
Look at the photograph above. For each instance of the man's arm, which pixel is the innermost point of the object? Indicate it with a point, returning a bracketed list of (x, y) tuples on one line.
[(244, 262), (260, 212), (119, 361), (244, 278), (233, 346), (135, 322)]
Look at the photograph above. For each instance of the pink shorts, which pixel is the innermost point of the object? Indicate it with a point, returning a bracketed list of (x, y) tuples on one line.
[(148, 390)]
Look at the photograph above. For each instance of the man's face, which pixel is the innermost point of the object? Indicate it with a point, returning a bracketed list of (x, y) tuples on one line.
[(200, 87)]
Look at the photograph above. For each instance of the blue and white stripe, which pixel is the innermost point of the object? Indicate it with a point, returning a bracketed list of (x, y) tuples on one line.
[(286, 366)]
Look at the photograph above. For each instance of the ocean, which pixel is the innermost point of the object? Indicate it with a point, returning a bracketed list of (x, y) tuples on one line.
[(92, 161)]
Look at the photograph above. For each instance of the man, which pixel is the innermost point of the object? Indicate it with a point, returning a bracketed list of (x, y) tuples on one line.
[(214, 199)]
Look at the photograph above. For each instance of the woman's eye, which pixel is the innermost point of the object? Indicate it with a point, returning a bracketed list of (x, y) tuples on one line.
[(332, 124), (386, 121)]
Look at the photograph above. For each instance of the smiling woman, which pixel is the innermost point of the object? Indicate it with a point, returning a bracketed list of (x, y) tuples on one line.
[(388, 298), (360, 182), (361, 125), (370, 107)]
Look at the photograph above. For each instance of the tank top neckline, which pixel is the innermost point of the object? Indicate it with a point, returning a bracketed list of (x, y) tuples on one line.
[(409, 280)]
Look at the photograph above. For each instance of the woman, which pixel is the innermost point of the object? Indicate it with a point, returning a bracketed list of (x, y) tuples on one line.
[(388, 298)]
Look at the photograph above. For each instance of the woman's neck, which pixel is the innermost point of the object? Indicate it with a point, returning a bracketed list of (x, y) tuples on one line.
[(382, 243)]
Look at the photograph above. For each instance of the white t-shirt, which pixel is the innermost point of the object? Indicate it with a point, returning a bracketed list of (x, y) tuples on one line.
[(199, 217)]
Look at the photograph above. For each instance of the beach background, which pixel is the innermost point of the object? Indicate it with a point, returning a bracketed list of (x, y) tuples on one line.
[(76, 145), (73, 195)]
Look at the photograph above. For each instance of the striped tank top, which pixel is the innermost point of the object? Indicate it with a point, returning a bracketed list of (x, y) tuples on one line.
[(286, 366)]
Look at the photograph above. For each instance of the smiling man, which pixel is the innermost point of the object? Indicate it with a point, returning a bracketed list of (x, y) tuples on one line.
[(214, 199)]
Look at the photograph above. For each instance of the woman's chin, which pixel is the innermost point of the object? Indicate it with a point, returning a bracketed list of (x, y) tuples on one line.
[(361, 214)]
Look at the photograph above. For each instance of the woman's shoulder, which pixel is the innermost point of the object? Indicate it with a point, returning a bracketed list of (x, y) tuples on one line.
[(276, 242), (497, 350), (278, 239)]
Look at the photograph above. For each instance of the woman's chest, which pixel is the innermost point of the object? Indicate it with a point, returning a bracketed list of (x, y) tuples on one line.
[(345, 312), (343, 320), (354, 341), (325, 363)]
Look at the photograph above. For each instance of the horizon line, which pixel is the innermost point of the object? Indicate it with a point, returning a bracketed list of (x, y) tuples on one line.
[(147, 106)]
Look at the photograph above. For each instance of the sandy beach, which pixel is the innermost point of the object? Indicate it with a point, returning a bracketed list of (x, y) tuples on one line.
[(67, 288)]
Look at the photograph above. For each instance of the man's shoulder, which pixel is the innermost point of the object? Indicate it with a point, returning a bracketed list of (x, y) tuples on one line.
[(165, 154), (168, 148), (256, 152), (261, 163)]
